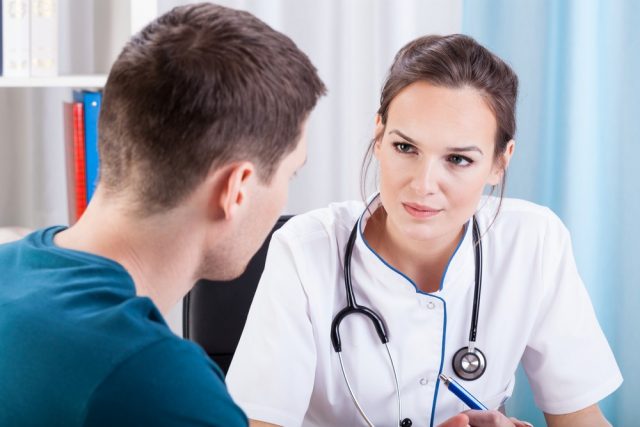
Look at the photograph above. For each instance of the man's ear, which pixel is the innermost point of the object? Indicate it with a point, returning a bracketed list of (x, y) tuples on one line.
[(501, 164), (234, 187)]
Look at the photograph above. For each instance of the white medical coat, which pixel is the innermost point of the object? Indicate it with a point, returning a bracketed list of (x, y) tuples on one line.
[(534, 309)]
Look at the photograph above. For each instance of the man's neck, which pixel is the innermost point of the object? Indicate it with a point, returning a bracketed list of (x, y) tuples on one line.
[(159, 252)]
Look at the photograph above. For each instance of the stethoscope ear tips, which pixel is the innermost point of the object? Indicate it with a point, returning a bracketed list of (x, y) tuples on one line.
[(406, 423)]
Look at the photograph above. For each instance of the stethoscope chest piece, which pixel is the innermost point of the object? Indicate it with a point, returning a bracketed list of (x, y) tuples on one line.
[(469, 364)]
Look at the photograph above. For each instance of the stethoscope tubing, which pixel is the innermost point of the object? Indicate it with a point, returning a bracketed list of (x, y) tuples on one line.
[(352, 307), (353, 396), (477, 253)]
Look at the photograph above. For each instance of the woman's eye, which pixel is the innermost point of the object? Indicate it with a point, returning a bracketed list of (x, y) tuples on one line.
[(459, 160), (403, 147)]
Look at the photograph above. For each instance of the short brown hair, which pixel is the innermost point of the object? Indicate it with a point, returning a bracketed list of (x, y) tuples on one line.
[(198, 87), (454, 61)]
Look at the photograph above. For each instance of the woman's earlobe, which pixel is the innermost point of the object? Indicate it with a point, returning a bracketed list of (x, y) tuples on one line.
[(508, 153), (501, 169), (378, 133), (496, 175)]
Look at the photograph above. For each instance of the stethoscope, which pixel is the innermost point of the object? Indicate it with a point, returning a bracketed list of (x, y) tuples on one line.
[(469, 363)]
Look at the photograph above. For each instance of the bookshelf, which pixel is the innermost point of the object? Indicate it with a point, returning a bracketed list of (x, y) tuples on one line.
[(33, 189), (95, 80), (91, 33), (123, 18)]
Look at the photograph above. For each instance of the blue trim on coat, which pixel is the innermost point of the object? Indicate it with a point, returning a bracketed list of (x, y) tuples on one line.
[(444, 329), (464, 234), (435, 393)]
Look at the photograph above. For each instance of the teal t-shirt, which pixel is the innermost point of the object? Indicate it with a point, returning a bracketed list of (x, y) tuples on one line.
[(79, 348)]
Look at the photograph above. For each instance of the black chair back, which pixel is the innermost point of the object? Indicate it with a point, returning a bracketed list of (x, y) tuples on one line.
[(214, 312)]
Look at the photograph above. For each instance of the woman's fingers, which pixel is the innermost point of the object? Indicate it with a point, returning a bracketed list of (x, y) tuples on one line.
[(460, 420), (493, 419)]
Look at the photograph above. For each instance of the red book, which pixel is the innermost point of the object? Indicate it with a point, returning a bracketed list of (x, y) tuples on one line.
[(75, 160)]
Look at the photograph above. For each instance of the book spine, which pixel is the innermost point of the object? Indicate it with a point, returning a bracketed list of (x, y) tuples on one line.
[(69, 161), (92, 102), (79, 157), (44, 38), (15, 38)]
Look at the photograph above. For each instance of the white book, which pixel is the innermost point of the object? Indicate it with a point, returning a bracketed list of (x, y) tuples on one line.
[(44, 38), (15, 38)]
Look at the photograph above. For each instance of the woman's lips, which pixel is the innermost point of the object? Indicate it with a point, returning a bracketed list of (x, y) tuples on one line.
[(420, 211)]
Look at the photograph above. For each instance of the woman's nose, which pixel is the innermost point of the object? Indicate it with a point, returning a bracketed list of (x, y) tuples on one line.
[(425, 178)]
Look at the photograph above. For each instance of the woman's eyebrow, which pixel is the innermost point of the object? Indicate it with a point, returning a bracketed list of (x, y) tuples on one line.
[(456, 149), (468, 148), (402, 135)]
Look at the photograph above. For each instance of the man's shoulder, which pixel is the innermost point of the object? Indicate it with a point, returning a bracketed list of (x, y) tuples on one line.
[(169, 355), (166, 382), (80, 322)]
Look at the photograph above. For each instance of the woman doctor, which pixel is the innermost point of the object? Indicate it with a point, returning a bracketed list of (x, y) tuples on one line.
[(464, 285)]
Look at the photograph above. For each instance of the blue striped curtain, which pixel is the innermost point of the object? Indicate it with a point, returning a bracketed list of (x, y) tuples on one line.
[(578, 152)]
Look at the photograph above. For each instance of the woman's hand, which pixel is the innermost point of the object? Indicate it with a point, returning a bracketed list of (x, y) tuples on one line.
[(460, 420), (492, 419)]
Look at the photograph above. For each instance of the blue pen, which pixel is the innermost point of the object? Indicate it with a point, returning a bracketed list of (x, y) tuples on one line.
[(462, 394)]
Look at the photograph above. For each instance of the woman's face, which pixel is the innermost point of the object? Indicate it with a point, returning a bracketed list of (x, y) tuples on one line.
[(436, 155)]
